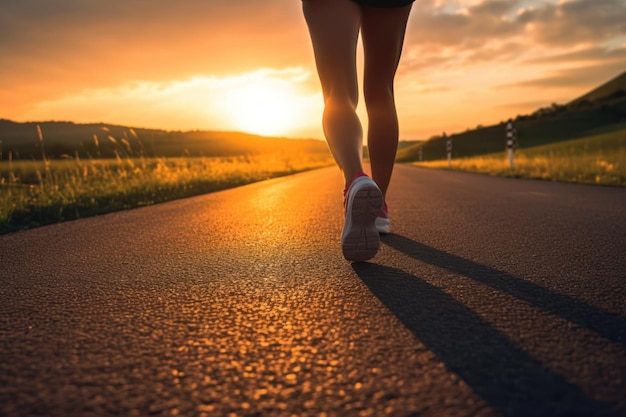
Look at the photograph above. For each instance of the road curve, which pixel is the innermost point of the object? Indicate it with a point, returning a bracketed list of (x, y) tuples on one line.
[(492, 297)]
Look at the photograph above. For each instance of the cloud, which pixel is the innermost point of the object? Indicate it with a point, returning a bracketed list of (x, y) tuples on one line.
[(573, 77), (68, 27), (488, 60), (504, 30), (476, 24), (107, 42), (593, 54), (575, 22)]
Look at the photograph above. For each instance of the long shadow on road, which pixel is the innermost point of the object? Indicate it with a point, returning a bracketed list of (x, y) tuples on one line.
[(608, 325), (509, 379)]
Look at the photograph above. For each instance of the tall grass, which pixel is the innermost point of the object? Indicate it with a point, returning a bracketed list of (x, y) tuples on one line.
[(598, 159), (34, 193)]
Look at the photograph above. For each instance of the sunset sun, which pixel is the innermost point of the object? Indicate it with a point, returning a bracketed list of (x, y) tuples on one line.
[(265, 107)]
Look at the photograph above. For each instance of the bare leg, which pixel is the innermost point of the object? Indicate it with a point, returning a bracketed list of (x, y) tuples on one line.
[(334, 29), (382, 31)]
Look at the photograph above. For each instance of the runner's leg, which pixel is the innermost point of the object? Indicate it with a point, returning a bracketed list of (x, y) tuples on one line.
[(382, 31), (334, 29)]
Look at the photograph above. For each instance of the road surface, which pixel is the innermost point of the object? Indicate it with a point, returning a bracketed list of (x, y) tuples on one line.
[(492, 297)]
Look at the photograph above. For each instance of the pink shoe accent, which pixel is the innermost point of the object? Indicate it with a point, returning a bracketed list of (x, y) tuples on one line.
[(345, 190), (384, 212)]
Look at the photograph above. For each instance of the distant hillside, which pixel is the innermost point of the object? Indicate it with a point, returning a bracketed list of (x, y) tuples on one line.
[(601, 110), (63, 139), (612, 89)]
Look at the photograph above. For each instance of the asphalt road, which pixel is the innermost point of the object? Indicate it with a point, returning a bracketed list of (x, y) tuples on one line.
[(493, 297)]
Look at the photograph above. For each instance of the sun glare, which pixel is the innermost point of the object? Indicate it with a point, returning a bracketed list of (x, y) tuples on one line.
[(264, 106), (266, 102)]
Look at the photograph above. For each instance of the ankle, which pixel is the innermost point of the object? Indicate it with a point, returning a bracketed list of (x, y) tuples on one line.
[(349, 180)]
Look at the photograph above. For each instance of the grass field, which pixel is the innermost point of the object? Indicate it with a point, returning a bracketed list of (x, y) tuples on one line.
[(597, 159), (35, 193), (39, 192)]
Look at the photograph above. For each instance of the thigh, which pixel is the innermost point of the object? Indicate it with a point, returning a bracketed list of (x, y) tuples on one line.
[(384, 4), (383, 33), (334, 29)]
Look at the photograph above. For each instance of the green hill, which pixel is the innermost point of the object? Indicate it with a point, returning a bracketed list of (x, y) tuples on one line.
[(601, 110), (614, 88), (63, 139)]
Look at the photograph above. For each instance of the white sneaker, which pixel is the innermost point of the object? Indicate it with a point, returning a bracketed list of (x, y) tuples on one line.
[(383, 224), (360, 239)]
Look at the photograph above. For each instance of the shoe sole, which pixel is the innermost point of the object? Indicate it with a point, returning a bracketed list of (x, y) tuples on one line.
[(360, 239)]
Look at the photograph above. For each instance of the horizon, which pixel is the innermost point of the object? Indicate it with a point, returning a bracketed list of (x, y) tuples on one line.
[(215, 65)]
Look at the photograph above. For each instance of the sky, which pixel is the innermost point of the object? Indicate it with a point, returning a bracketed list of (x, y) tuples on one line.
[(247, 65)]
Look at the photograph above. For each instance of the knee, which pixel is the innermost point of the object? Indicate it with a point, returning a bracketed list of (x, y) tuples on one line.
[(339, 99), (378, 95), (380, 105)]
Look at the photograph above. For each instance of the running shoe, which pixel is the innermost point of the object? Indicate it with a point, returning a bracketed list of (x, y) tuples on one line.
[(363, 200), (383, 225)]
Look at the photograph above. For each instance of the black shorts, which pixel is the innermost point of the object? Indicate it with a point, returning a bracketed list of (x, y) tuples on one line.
[(383, 4)]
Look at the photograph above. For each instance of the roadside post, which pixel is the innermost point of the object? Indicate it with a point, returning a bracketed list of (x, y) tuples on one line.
[(420, 153), (511, 142), (449, 150)]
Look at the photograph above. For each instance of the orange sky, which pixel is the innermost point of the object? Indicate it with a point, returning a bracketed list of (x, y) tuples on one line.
[(247, 65)]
